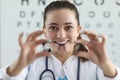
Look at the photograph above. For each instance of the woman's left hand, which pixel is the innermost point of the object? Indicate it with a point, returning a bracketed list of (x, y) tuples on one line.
[(96, 48), (97, 52)]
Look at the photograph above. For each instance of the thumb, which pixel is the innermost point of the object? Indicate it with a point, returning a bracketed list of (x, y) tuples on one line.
[(83, 54), (42, 54)]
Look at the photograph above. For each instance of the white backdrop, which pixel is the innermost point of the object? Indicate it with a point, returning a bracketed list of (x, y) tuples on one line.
[(102, 16)]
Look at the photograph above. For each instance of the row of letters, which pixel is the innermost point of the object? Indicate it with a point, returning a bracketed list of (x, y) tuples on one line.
[(76, 2), (91, 14)]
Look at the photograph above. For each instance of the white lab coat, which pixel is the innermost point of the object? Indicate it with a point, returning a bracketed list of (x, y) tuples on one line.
[(88, 70)]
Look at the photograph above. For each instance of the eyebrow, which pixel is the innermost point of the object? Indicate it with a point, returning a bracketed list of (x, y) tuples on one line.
[(57, 24), (68, 23), (53, 24)]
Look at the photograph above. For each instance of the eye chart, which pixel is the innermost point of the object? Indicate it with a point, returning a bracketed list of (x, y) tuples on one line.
[(16, 16)]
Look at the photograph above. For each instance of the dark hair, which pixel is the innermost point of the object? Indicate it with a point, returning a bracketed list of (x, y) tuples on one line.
[(56, 5)]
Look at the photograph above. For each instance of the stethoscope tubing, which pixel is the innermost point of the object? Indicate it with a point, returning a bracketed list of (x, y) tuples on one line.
[(48, 70), (78, 69)]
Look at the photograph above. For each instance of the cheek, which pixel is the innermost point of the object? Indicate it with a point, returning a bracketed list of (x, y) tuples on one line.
[(50, 36), (73, 36)]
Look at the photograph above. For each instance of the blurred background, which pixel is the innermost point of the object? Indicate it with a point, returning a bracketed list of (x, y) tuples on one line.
[(16, 16)]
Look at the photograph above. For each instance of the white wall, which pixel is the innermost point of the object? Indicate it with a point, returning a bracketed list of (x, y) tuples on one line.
[(102, 16)]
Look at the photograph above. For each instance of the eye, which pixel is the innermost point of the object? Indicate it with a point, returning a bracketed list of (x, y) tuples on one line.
[(53, 28), (68, 28)]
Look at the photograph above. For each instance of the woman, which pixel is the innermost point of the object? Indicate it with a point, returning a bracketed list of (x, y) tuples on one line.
[(67, 59)]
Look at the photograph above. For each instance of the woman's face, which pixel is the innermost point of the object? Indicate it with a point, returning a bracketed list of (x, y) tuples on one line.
[(62, 29)]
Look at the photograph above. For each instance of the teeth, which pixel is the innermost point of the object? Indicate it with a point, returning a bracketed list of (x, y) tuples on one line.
[(62, 42)]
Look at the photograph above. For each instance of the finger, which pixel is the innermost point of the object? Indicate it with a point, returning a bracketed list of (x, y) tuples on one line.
[(92, 35), (33, 35), (20, 39), (103, 38), (84, 42), (41, 41), (83, 54), (42, 54)]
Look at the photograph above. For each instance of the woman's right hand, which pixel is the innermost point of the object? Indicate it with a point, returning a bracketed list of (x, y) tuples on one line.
[(28, 53)]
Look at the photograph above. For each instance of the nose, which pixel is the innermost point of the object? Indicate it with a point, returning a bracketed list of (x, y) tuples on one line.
[(61, 33)]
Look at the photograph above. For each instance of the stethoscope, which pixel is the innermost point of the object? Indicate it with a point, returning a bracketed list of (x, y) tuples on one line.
[(52, 73)]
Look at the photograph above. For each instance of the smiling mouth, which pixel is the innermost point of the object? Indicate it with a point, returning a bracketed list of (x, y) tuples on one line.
[(61, 43)]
